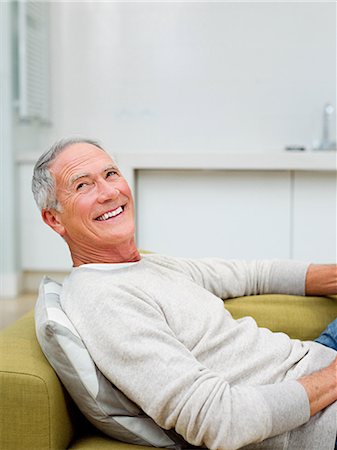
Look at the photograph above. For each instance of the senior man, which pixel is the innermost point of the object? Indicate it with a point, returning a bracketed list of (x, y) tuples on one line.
[(161, 333)]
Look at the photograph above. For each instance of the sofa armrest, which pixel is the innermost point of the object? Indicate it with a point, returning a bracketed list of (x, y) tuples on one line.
[(300, 317), (34, 408)]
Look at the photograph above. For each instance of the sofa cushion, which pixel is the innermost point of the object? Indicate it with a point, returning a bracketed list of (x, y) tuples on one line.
[(100, 401)]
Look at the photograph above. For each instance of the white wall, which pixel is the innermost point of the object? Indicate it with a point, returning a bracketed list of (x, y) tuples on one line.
[(192, 76), (187, 76)]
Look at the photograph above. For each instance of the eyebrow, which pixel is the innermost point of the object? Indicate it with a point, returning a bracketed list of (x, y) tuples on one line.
[(78, 176)]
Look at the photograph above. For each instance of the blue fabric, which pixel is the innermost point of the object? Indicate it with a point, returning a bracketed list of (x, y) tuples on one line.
[(329, 336)]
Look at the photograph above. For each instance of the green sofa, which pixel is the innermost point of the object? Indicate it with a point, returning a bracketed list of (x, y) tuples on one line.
[(36, 412)]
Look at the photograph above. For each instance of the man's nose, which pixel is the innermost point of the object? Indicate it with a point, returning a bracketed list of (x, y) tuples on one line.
[(106, 191)]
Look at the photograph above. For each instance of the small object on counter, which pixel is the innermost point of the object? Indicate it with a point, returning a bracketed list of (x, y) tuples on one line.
[(295, 148)]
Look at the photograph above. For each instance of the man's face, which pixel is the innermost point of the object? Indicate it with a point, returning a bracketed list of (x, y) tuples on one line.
[(97, 210)]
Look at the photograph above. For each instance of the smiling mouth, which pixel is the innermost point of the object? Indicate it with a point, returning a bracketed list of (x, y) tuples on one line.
[(110, 214)]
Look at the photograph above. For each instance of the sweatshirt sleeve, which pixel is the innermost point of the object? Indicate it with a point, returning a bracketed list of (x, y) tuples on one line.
[(235, 278), (136, 350)]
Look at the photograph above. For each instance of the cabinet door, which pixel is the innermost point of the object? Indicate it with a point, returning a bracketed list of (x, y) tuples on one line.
[(314, 221), (230, 214)]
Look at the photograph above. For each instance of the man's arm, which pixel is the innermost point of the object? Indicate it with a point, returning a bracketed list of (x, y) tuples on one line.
[(236, 278), (321, 387), (321, 279)]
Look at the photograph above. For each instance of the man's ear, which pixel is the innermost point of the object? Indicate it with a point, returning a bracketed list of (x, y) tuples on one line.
[(52, 218)]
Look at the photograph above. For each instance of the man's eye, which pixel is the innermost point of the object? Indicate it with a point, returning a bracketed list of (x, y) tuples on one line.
[(111, 173), (80, 186)]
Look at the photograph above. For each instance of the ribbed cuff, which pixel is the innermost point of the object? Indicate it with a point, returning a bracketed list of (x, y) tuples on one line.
[(288, 403), (288, 277)]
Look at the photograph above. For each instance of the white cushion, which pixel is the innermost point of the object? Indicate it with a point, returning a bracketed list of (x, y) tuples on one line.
[(100, 401)]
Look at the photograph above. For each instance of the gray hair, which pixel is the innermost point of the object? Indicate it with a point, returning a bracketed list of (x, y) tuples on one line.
[(43, 183)]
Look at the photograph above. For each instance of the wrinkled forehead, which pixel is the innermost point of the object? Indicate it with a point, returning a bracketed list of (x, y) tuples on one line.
[(78, 159)]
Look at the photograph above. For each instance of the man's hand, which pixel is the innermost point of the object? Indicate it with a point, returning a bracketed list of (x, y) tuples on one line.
[(321, 387), (321, 279)]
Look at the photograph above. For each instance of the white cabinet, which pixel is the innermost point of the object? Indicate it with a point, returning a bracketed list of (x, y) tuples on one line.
[(231, 214), (314, 216), (238, 214)]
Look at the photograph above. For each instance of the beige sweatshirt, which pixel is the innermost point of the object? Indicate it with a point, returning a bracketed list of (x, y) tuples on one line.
[(159, 331)]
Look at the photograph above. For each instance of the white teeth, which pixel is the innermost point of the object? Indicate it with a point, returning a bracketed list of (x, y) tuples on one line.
[(107, 215)]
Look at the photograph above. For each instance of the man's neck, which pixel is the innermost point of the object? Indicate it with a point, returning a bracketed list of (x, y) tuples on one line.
[(123, 253)]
